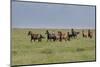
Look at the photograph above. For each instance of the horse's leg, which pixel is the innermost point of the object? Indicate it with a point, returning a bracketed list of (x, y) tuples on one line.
[(65, 39), (50, 39), (34, 40), (54, 39), (68, 38), (39, 40), (90, 36), (60, 39), (47, 38), (74, 36), (31, 40)]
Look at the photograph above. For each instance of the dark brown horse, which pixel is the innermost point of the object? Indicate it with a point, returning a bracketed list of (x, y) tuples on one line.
[(35, 36), (90, 35)]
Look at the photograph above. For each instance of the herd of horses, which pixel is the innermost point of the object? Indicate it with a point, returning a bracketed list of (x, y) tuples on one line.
[(59, 36)]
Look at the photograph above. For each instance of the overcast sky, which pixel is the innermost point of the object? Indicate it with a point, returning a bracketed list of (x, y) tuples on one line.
[(43, 15)]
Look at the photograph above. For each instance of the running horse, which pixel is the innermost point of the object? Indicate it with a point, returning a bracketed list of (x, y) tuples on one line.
[(35, 36)]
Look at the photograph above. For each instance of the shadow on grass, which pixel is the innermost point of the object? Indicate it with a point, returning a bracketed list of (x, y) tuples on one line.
[(80, 49), (47, 51)]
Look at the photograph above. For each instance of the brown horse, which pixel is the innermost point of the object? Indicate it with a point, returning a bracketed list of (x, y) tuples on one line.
[(35, 36), (63, 36), (88, 34)]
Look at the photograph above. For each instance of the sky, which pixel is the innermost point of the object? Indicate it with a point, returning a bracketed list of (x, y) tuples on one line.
[(44, 15)]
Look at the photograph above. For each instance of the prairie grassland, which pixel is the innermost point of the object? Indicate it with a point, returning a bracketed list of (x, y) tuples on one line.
[(24, 52)]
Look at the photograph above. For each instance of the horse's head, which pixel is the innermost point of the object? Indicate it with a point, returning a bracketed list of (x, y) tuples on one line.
[(47, 32), (72, 30), (29, 33)]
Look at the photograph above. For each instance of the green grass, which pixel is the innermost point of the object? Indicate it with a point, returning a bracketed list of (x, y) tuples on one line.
[(24, 52)]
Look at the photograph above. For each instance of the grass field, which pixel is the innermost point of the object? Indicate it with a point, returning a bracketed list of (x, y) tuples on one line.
[(24, 52)]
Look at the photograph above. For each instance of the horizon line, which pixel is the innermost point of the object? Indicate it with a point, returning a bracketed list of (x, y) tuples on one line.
[(49, 28)]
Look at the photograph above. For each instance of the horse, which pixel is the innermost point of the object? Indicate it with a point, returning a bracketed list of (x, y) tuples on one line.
[(84, 35), (90, 34), (63, 36), (35, 36), (50, 36), (73, 34)]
